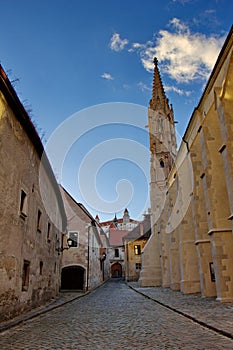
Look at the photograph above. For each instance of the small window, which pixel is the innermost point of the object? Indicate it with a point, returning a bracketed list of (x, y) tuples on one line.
[(39, 214), (161, 163), (23, 204), (137, 249), (41, 267), (212, 273), (25, 277), (48, 232), (116, 253), (138, 266), (75, 238)]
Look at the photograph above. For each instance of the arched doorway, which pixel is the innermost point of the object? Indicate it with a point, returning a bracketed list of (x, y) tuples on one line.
[(72, 277), (116, 270)]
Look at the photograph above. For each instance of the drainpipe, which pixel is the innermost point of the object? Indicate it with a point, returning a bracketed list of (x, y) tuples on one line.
[(88, 254)]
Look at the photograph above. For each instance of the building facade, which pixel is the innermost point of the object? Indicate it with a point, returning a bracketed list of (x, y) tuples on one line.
[(192, 241), (124, 223), (85, 263), (29, 232), (134, 243)]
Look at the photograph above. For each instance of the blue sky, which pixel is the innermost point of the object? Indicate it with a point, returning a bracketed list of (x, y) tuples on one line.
[(72, 55)]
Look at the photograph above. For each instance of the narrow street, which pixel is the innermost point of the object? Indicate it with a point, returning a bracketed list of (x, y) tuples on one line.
[(113, 317)]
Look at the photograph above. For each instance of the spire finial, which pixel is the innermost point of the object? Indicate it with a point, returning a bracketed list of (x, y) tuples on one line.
[(159, 99)]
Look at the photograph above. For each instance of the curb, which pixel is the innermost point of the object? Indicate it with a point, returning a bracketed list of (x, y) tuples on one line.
[(206, 325)]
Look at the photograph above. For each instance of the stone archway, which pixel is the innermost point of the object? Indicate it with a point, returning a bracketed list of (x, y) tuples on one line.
[(116, 270), (72, 278)]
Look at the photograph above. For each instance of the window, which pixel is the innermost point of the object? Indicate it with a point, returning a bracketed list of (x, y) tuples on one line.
[(137, 249), (74, 236), (48, 232), (161, 163), (116, 253), (138, 266), (23, 204), (212, 273), (39, 214), (41, 267), (25, 277)]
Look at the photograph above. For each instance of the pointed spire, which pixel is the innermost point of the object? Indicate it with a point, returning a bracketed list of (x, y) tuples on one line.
[(115, 221), (159, 100)]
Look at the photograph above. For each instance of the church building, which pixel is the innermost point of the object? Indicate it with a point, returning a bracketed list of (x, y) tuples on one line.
[(191, 246)]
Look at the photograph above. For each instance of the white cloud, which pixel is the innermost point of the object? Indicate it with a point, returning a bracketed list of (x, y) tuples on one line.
[(177, 90), (107, 76), (143, 87), (116, 43), (184, 56)]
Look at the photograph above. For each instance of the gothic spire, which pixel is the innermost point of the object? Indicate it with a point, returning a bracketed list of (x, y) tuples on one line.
[(159, 100)]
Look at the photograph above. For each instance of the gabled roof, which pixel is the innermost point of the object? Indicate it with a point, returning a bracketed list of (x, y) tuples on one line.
[(144, 226)]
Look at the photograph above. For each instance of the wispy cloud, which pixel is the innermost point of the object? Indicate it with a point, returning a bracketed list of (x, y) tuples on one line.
[(116, 43), (143, 87), (177, 90), (184, 56), (107, 76)]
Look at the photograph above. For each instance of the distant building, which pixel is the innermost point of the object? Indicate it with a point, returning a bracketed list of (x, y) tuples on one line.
[(115, 230), (85, 264), (124, 223), (134, 243), (117, 252), (32, 216)]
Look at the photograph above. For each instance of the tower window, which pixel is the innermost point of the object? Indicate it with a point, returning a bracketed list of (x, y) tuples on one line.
[(161, 163)]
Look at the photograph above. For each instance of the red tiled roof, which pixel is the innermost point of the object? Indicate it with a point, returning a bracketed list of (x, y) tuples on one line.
[(116, 237)]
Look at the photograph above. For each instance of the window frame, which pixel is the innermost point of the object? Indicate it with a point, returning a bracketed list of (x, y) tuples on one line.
[(137, 249), (25, 275), (138, 266), (23, 204), (116, 253), (39, 219), (77, 241)]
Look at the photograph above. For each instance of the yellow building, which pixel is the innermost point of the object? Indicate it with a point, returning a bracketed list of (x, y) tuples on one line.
[(191, 248), (134, 243)]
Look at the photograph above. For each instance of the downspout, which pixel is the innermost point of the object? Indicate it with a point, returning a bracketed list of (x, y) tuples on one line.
[(88, 255)]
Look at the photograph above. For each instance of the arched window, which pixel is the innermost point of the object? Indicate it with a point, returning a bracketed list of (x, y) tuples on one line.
[(161, 162)]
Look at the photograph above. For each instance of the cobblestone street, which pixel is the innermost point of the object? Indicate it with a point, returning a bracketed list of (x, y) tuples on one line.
[(112, 317)]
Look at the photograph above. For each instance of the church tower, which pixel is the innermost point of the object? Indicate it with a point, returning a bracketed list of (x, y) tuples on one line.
[(162, 142), (163, 152)]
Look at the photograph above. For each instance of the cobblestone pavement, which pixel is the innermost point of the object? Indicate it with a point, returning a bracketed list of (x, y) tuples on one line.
[(113, 317), (208, 311)]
